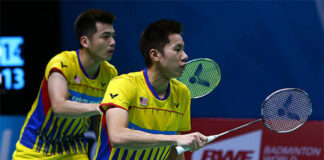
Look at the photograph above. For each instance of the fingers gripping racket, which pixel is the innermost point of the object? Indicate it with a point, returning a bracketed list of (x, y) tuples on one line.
[(283, 111), (201, 76)]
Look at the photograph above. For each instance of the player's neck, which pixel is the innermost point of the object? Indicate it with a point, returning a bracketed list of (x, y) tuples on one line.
[(89, 64), (159, 82)]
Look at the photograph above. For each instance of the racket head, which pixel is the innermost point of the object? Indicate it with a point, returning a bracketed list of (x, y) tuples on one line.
[(201, 76), (286, 110)]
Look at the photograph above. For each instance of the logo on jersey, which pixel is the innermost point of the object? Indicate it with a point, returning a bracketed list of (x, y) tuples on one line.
[(77, 79), (143, 101), (176, 104), (63, 65), (113, 95), (103, 84), (242, 147)]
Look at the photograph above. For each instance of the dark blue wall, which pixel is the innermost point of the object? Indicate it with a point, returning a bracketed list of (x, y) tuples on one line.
[(259, 46)]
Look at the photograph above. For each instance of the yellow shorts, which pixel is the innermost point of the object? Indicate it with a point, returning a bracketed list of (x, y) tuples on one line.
[(25, 153)]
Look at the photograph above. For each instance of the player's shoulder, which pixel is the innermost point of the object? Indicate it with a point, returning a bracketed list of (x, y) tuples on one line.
[(111, 69), (63, 62), (65, 56), (129, 77), (178, 84), (180, 88)]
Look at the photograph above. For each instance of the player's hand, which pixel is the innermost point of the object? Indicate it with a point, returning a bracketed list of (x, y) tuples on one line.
[(193, 140)]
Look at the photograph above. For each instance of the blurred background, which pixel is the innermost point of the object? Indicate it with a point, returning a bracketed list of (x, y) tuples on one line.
[(260, 46)]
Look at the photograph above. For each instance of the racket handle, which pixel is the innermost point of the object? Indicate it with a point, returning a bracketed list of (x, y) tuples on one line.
[(211, 138), (181, 149)]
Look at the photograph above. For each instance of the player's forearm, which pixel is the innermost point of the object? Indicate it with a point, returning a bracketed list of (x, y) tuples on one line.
[(134, 139), (67, 108)]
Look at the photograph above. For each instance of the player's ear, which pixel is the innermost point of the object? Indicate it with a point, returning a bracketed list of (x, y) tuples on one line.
[(84, 41), (155, 55)]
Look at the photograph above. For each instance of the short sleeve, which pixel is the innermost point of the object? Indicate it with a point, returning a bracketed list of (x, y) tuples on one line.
[(120, 93), (61, 63)]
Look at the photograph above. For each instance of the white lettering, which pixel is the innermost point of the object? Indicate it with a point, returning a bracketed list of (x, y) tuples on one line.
[(293, 150), (82, 100), (275, 158)]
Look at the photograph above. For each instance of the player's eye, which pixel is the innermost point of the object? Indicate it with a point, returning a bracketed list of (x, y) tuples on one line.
[(108, 35)]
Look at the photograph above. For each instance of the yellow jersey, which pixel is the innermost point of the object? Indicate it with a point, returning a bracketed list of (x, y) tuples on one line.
[(147, 112), (46, 133)]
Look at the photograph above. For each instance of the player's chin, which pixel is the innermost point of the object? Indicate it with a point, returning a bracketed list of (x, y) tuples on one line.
[(108, 58), (178, 74)]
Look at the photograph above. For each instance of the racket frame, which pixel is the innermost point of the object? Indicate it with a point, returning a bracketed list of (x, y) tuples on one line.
[(181, 149), (276, 92), (217, 68)]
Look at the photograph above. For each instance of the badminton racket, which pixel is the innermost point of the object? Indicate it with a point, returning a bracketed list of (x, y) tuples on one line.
[(201, 76), (283, 111)]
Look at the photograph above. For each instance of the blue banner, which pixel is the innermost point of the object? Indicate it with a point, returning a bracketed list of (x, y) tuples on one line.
[(260, 46)]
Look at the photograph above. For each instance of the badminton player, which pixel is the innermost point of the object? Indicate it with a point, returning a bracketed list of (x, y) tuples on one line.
[(72, 88), (147, 110)]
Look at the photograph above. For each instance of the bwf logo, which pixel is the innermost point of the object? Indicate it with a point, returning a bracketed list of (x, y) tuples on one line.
[(242, 147), (228, 155)]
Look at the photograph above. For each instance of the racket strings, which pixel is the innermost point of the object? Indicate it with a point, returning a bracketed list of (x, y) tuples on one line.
[(201, 77), (286, 111)]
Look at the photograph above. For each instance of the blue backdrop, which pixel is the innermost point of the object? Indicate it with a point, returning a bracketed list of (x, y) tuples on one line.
[(259, 46)]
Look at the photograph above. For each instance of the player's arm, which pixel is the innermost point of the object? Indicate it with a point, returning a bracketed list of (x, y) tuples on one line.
[(58, 95), (121, 136)]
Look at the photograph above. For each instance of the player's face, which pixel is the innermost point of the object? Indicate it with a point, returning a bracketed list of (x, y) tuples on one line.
[(173, 60), (102, 43)]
